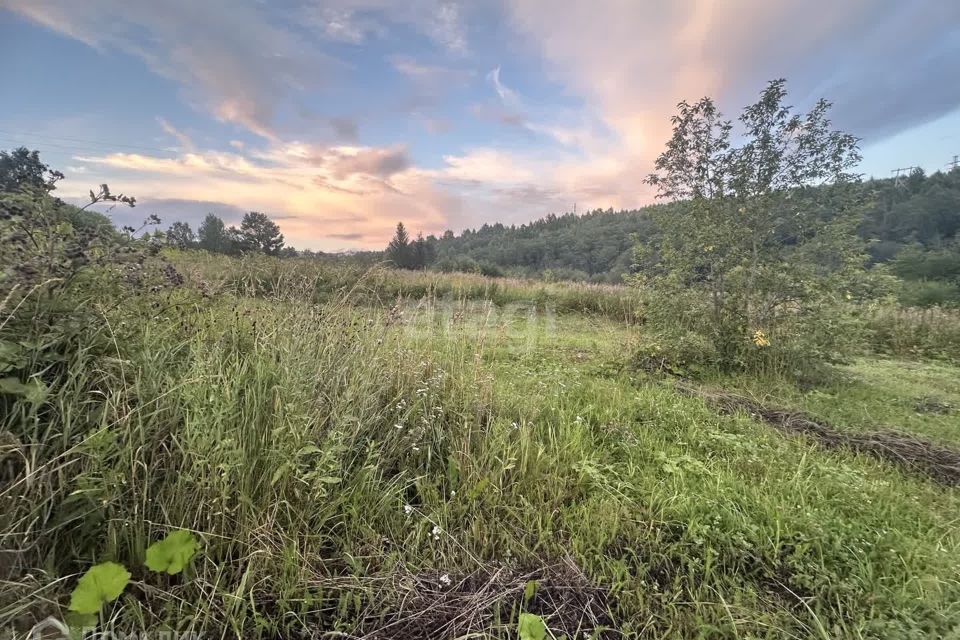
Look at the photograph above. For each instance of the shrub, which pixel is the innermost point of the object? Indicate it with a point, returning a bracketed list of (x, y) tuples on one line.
[(930, 293), (751, 256), (932, 332), (680, 353)]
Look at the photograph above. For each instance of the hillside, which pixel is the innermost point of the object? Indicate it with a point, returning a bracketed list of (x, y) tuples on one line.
[(918, 212), (596, 246)]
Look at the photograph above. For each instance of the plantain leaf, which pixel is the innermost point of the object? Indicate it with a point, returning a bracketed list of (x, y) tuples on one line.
[(453, 473)]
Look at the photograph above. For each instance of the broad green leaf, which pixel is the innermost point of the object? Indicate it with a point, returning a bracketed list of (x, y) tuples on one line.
[(11, 355), (33, 391), (172, 554), (529, 590), (283, 469), (478, 489), (307, 449), (531, 627), (101, 583), (79, 625)]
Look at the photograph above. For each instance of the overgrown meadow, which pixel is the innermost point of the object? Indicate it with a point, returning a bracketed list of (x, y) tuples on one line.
[(751, 439), (386, 455)]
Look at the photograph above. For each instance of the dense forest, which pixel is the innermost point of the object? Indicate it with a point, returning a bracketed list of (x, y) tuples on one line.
[(916, 218), (910, 223)]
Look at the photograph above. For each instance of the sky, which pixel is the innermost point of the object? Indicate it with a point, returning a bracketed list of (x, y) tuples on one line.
[(339, 118)]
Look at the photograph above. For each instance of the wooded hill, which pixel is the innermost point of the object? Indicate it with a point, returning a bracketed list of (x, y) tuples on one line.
[(911, 223)]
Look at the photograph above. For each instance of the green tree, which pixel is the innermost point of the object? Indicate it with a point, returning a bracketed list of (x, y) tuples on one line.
[(423, 252), (259, 233), (22, 168), (399, 251), (767, 253), (180, 235), (212, 235)]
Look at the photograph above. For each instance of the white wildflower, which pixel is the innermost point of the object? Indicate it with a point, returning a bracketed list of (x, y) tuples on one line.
[(407, 509), (445, 580), (436, 532)]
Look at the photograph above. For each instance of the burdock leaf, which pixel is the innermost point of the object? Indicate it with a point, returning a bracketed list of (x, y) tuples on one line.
[(172, 554), (531, 627), (34, 391), (101, 583)]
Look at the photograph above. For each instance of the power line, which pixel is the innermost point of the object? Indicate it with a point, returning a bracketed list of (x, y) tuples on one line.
[(955, 163), (897, 177), (29, 137), (54, 145)]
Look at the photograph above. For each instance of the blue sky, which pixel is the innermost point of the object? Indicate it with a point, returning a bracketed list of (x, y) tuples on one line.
[(341, 117)]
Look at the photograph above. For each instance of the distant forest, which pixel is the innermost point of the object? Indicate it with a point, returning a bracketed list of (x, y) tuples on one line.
[(911, 223), (910, 226)]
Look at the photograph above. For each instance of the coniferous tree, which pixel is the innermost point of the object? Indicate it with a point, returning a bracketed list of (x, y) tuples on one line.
[(423, 252), (212, 234), (399, 250)]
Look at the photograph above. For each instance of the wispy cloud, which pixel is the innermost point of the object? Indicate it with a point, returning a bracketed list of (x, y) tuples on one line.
[(430, 77), (312, 191), (355, 21), (229, 56), (507, 95), (885, 57), (344, 128), (186, 144)]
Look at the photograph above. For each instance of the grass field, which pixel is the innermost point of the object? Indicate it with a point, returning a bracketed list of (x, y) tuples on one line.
[(421, 456)]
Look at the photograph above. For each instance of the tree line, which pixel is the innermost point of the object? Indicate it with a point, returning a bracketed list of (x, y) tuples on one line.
[(910, 225), (257, 232)]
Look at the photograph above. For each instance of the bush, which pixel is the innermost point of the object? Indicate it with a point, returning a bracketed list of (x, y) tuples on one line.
[(680, 353), (490, 270), (752, 256), (799, 344), (931, 333), (930, 293)]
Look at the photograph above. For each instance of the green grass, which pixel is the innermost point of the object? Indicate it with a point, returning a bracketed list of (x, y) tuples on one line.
[(916, 397), (337, 456), (257, 275)]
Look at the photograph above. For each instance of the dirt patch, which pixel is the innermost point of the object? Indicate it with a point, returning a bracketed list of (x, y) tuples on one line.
[(938, 462), (432, 607)]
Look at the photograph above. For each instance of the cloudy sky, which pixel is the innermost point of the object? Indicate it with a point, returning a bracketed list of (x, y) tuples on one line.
[(340, 117)]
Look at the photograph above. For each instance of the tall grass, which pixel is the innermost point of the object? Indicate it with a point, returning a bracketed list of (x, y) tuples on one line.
[(339, 460), (261, 275), (907, 332)]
